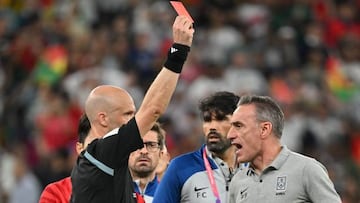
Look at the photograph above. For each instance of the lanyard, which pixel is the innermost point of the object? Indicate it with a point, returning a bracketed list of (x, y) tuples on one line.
[(211, 177), (139, 198)]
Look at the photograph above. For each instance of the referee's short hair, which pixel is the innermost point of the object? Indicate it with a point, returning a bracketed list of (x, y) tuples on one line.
[(83, 128)]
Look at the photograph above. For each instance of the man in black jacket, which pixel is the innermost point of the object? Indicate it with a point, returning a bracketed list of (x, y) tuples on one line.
[(101, 173)]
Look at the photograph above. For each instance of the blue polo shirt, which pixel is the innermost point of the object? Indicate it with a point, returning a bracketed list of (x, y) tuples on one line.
[(186, 179)]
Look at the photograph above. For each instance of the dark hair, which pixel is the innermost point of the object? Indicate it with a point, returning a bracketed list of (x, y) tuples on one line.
[(266, 110), (219, 104), (160, 134), (83, 128)]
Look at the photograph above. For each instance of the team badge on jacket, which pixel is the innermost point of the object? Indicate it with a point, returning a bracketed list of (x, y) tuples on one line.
[(281, 185)]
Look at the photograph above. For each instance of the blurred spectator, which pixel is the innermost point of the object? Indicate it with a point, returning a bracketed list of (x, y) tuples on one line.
[(27, 187), (241, 76), (345, 21), (212, 80), (7, 178), (56, 124)]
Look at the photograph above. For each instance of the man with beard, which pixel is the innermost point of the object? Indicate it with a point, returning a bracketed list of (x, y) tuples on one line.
[(204, 175), (143, 163)]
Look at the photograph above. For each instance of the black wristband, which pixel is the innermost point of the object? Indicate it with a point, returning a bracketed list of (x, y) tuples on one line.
[(177, 55)]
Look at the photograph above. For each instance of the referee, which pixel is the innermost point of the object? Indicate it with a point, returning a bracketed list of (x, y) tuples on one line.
[(101, 172)]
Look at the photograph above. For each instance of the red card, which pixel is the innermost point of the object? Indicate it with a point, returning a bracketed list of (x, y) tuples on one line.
[(180, 9)]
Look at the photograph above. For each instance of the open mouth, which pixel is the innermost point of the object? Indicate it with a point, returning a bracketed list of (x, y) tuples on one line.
[(238, 146)]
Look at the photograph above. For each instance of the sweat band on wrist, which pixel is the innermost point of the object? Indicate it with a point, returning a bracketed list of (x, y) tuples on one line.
[(177, 55)]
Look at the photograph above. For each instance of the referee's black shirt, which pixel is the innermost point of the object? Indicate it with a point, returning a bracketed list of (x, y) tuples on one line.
[(92, 185)]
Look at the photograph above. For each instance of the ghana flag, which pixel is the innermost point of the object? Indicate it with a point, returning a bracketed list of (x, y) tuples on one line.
[(52, 65), (337, 81)]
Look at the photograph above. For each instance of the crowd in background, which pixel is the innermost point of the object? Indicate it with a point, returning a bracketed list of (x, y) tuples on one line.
[(303, 53)]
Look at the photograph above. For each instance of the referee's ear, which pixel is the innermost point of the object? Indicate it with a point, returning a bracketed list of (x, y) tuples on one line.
[(103, 119)]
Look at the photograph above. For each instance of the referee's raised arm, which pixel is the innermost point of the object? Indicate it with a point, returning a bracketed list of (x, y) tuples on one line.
[(159, 93), (101, 173)]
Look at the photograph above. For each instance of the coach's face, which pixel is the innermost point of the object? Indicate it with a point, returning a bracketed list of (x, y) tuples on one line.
[(143, 162), (245, 133)]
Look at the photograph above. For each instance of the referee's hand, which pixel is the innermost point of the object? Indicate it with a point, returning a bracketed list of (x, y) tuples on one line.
[(183, 30)]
